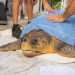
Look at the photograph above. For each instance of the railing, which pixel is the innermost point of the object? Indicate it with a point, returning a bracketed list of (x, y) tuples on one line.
[(64, 4)]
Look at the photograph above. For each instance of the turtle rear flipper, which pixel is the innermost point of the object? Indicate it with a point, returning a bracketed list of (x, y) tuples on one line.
[(68, 51), (11, 46)]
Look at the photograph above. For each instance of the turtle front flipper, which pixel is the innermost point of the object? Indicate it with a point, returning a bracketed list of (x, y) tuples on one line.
[(11, 46)]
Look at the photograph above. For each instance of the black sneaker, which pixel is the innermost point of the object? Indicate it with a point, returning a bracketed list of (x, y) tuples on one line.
[(16, 31), (29, 22)]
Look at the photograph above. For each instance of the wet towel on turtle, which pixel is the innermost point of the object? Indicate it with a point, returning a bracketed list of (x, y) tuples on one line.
[(63, 31)]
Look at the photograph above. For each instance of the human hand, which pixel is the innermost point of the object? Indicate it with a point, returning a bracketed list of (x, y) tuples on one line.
[(48, 8), (56, 18)]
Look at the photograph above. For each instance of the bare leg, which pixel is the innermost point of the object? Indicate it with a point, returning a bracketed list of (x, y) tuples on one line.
[(20, 7), (32, 3), (25, 7), (30, 10), (15, 8), (16, 29)]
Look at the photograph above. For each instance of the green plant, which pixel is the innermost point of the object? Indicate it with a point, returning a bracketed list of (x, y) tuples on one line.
[(55, 2)]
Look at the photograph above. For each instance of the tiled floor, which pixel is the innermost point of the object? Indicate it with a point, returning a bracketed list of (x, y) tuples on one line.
[(22, 22)]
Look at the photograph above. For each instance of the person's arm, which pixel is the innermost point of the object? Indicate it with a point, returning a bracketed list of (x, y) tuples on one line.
[(69, 1), (61, 18), (44, 1), (70, 10), (47, 7)]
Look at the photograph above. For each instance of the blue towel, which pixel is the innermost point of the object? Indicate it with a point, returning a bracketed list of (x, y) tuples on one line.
[(63, 31)]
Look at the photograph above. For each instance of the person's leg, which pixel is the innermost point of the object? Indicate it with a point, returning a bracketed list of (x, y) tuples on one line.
[(20, 8), (16, 30), (15, 9), (33, 2), (25, 7), (30, 10)]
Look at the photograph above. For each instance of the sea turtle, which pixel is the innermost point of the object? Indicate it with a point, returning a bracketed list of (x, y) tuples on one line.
[(38, 42)]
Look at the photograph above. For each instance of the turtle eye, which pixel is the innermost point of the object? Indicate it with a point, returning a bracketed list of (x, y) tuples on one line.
[(24, 40)]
